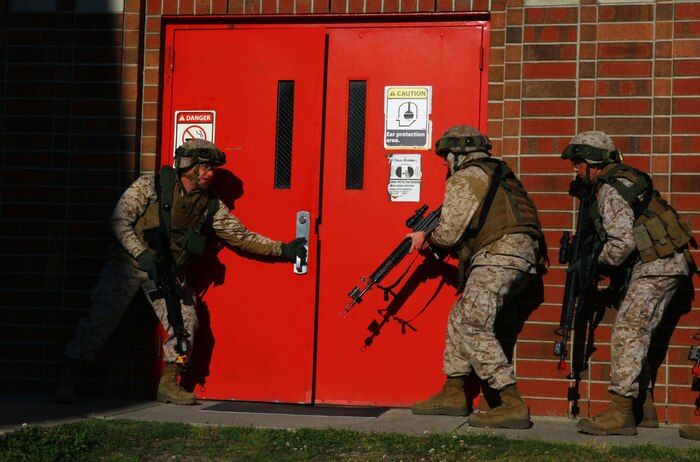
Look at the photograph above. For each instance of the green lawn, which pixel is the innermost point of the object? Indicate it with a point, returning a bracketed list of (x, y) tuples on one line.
[(125, 440)]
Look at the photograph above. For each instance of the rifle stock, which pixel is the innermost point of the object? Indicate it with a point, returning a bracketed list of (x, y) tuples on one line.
[(417, 222)]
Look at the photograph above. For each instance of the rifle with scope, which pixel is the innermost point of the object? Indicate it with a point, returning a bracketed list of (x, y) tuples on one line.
[(417, 222)]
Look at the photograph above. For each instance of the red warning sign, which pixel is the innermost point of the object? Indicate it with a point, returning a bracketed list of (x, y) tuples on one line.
[(194, 125)]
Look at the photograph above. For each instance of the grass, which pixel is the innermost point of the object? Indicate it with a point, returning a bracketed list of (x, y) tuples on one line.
[(126, 440)]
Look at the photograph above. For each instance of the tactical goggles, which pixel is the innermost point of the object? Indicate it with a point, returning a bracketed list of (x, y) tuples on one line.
[(445, 145), (206, 156), (591, 154)]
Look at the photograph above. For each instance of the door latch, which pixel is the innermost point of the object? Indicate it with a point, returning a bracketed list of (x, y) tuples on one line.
[(302, 230)]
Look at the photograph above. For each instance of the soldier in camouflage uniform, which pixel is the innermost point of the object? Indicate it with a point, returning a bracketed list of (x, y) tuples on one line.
[(490, 221), (132, 265), (636, 229)]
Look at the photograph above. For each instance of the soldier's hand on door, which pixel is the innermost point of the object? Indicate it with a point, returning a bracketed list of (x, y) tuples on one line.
[(295, 249)]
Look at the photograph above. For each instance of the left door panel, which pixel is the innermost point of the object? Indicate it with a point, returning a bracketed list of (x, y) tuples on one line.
[(256, 336)]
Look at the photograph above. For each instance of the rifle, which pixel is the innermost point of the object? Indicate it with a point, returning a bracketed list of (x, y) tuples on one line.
[(168, 285), (416, 222), (581, 254)]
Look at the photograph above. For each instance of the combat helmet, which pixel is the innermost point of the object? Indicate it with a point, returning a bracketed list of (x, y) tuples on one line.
[(197, 151), (595, 148), (462, 139)]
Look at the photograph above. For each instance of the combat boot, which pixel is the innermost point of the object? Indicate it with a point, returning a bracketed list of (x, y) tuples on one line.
[(644, 410), (169, 390), (451, 400), (511, 413), (617, 420), (691, 432), (65, 391)]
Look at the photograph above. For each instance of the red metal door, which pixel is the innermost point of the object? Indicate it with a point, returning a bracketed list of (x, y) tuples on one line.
[(256, 336), (401, 362), (268, 334)]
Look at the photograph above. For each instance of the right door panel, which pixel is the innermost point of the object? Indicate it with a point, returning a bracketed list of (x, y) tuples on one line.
[(400, 361)]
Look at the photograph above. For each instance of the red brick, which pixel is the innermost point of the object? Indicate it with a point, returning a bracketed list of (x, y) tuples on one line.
[(687, 29), (152, 7), (555, 219), (629, 69), (548, 126), (631, 50), (549, 70), (219, 6), (687, 11), (303, 6), (202, 7), (686, 125), (686, 48), (664, 30), (624, 107), (539, 34), (626, 13), (687, 164), (617, 33), (556, 52), (686, 67), (186, 7), (549, 407), (549, 201)]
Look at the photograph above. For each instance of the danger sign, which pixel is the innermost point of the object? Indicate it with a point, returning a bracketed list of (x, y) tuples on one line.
[(194, 125)]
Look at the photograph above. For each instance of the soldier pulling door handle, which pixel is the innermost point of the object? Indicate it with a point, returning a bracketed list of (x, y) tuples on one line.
[(301, 265)]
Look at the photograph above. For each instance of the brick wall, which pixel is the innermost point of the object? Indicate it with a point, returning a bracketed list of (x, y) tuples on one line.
[(70, 86), (80, 121)]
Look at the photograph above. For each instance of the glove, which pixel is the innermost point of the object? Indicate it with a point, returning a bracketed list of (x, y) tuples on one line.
[(148, 262), (292, 250)]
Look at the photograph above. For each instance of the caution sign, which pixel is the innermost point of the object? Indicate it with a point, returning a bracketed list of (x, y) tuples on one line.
[(194, 125), (404, 177), (407, 122)]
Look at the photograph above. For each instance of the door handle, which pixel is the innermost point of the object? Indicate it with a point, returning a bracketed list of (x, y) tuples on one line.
[(302, 230)]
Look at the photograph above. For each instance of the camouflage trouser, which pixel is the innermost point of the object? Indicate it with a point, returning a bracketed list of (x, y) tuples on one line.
[(639, 314), (115, 289), (471, 342)]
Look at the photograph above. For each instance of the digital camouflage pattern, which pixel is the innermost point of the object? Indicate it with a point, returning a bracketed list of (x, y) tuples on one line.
[(651, 287), (599, 140), (499, 271), (121, 277)]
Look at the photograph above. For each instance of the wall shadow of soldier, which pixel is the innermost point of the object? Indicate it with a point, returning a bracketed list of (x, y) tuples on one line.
[(681, 304), (509, 323), (429, 268), (204, 272)]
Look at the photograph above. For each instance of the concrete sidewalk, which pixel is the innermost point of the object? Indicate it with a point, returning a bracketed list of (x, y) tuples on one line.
[(39, 410)]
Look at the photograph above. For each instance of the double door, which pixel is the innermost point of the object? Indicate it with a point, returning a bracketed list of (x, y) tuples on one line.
[(301, 112)]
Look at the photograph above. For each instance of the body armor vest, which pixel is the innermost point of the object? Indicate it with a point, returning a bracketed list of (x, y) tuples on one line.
[(184, 215), (658, 230), (505, 209)]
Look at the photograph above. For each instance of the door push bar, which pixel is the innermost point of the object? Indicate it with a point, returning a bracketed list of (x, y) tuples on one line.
[(302, 230)]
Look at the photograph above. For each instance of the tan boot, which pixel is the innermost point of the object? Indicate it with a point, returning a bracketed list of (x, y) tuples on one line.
[(512, 412), (451, 400), (169, 390), (691, 432), (617, 420), (645, 411)]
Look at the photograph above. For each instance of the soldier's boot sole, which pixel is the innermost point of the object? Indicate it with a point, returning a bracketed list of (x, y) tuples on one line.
[(588, 427), (689, 432), (181, 400)]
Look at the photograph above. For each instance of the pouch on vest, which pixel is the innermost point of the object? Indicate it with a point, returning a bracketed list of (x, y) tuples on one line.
[(193, 242), (662, 245)]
